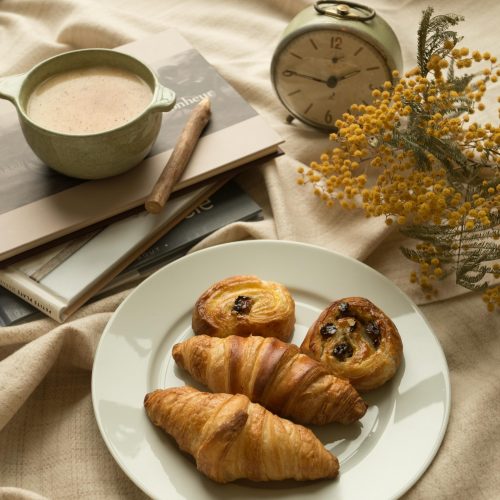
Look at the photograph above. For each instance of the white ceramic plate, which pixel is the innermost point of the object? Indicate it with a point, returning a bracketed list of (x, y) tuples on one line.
[(381, 456)]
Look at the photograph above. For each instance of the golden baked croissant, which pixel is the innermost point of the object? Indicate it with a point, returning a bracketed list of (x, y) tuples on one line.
[(232, 438), (270, 372), (357, 341), (245, 305)]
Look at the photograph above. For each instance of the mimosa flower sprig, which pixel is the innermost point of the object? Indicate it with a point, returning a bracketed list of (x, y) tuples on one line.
[(416, 156)]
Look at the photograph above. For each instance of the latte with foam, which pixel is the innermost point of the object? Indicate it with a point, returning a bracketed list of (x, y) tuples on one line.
[(88, 100)]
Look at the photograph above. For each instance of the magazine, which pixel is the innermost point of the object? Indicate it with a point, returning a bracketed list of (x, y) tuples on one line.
[(229, 204), (39, 205), (61, 279)]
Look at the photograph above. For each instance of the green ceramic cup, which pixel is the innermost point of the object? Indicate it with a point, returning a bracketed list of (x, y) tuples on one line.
[(90, 156)]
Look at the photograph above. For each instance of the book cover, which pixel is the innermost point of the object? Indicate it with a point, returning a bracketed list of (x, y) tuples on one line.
[(59, 280), (38, 205), (13, 309), (228, 204)]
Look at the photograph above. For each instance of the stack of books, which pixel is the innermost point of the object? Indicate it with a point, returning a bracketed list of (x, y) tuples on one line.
[(64, 241)]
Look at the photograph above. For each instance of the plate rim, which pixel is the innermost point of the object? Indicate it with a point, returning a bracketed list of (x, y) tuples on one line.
[(417, 475)]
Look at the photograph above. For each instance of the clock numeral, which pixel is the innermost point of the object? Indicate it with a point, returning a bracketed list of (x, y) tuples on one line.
[(328, 117), (336, 42)]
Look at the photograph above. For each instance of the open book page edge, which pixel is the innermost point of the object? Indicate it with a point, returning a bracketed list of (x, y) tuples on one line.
[(49, 300), (57, 215)]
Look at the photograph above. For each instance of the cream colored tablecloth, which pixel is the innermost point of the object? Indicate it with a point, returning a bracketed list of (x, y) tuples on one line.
[(50, 445)]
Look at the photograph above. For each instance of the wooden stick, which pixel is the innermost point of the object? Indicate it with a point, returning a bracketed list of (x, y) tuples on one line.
[(180, 157)]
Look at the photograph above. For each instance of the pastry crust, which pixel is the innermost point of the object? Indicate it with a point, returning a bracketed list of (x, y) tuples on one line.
[(273, 373), (245, 305), (357, 341), (232, 438)]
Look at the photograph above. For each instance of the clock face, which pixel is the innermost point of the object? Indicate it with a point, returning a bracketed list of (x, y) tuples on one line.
[(320, 73)]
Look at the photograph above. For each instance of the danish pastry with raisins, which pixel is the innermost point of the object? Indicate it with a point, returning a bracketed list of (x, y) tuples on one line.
[(357, 341), (245, 305)]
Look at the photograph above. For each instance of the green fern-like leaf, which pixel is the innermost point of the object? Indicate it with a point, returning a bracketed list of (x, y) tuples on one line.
[(432, 33), (466, 251)]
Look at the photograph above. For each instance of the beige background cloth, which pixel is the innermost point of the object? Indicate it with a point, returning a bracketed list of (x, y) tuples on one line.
[(50, 446)]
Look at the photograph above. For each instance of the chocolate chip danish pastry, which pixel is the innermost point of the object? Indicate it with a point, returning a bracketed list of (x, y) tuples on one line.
[(357, 341), (245, 305)]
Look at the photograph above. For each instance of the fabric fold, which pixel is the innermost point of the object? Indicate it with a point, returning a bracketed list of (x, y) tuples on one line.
[(49, 439)]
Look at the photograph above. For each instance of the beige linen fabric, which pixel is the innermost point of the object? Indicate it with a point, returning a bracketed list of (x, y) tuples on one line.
[(50, 446)]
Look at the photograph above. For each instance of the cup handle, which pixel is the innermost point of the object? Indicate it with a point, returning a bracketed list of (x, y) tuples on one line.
[(164, 99), (10, 87)]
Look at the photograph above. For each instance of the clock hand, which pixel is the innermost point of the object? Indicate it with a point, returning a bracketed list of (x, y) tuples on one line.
[(330, 82), (289, 72), (333, 80), (348, 75)]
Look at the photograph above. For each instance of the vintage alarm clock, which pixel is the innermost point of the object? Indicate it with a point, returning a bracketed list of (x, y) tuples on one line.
[(332, 55)]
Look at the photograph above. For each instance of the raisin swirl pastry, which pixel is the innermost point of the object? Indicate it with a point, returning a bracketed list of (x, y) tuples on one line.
[(357, 341), (245, 305)]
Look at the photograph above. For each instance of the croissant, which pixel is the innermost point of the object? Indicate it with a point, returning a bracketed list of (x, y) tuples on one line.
[(245, 305), (232, 438), (270, 372), (355, 340)]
